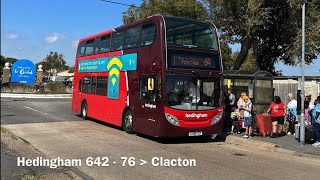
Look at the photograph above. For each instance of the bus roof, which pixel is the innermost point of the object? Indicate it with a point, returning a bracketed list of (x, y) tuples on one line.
[(131, 24), (113, 30)]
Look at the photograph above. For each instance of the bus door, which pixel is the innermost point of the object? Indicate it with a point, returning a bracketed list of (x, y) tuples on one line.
[(148, 118)]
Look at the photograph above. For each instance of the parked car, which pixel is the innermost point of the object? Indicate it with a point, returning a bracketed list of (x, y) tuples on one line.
[(57, 78), (45, 80)]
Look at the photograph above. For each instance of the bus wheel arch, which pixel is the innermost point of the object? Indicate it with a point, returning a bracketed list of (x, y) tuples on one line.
[(127, 120), (84, 109)]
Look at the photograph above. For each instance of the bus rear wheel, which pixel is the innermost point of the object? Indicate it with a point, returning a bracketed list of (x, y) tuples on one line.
[(84, 110), (128, 122)]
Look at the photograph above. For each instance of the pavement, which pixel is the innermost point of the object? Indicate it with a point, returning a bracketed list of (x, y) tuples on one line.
[(286, 144)]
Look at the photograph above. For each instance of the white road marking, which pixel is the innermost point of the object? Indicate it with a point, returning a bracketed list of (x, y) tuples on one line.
[(35, 110)]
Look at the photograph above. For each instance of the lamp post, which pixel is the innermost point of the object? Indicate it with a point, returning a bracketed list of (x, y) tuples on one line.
[(302, 120)]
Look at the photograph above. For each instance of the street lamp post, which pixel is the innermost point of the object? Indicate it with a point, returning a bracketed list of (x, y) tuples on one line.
[(302, 120)]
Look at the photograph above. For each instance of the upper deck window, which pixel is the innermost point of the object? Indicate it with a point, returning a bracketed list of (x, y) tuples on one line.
[(81, 49), (117, 41), (132, 37), (89, 47), (148, 34), (105, 44), (96, 45), (191, 34)]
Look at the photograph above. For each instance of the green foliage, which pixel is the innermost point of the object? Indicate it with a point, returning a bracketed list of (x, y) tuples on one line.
[(18, 88), (6, 59), (182, 8), (274, 39), (226, 54), (250, 63), (71, 70), (57, 87), (312, 31), (53, 61), (272, 28)]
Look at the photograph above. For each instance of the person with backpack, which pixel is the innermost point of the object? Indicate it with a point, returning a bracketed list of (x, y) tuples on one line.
[(278, 111), (235, 116)]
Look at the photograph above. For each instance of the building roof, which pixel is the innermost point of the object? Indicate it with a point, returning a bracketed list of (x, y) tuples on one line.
[(65, 74), (316, 78)]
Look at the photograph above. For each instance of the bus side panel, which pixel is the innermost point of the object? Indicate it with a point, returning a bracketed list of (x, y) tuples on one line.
[(108, 110), (116, 106), (76, 97)]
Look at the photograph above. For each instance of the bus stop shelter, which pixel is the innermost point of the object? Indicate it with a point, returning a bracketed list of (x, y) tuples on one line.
[(258, 85)]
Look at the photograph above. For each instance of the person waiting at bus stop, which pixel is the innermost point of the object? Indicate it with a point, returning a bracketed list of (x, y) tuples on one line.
[(291, 113), (240, 104), (247, 117), (316, 116), (278, 111)]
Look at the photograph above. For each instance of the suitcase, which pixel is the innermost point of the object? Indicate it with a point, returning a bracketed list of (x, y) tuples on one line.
[(264, 124), (297, 131), (309, 134)]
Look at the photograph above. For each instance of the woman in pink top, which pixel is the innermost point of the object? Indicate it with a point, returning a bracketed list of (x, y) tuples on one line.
[(241, 103)]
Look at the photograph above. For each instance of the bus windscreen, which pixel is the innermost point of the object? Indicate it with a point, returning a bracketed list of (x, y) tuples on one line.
[(190, 34)]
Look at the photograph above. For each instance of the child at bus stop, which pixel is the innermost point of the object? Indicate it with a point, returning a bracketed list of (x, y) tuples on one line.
[(235, 116), (247, 116)]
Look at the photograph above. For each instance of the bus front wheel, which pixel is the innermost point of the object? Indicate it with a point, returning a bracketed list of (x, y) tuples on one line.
[(128, 122), (84, 110)]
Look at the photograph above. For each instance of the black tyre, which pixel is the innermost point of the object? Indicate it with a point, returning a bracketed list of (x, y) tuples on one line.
[(84, 110), (128, 122)]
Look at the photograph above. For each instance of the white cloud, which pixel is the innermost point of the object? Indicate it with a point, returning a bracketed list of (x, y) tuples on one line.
[(53, 38), (12, 36), (75, 43)]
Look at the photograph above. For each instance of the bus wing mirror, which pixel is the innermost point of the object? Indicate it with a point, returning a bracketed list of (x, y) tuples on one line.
[(150, 84)]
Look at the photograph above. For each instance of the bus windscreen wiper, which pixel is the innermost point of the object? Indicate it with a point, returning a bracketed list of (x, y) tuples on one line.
[(189, 45)]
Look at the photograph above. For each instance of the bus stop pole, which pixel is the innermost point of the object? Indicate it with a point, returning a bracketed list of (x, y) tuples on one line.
[(302, 120)]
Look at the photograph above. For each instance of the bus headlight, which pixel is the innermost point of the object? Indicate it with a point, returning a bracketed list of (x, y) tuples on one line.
[(172, 119), (217, 118)]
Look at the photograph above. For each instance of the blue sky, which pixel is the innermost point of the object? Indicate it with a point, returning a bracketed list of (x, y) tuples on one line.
[(31, 29)]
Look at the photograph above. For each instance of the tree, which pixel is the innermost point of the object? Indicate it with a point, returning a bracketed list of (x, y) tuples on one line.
[(71, 70), (250, 63), (183, 8), (53, 63), (270, 27), (6, 59), (273, 41), (312, 31), (226, 55)]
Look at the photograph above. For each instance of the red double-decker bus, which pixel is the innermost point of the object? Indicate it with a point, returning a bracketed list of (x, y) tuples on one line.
[(161, 76)]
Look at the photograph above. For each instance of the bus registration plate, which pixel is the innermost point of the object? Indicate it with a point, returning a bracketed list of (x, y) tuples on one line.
[(199, 133)]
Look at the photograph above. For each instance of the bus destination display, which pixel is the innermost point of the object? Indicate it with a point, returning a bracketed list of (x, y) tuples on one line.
[(185, 61)]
